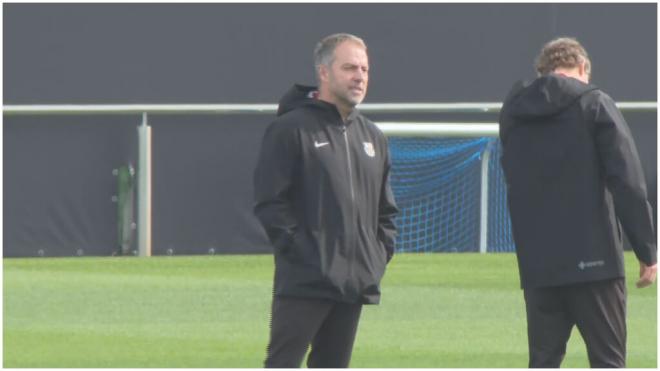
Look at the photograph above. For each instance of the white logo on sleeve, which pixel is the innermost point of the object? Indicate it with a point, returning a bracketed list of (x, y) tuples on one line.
[(369, 149), (320, 144)]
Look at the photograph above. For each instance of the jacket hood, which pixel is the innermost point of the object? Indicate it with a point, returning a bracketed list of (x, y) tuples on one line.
[(302, 95), (297, 96), (545, 96)]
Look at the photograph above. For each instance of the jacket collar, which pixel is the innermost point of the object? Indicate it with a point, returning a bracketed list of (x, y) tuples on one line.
[(331, 110)]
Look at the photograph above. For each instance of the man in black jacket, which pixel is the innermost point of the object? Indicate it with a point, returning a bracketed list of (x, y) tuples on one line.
[(574, 179), (323, 197)]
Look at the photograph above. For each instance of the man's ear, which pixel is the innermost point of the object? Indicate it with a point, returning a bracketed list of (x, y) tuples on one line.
[(582, 72), (323, 72)]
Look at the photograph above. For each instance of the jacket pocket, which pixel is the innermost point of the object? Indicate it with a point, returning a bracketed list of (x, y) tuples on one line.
[(375, 254), (303, 249), (283, 243)]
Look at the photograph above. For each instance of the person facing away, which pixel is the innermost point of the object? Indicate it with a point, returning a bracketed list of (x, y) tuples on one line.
[(574, 184), (323, 197)]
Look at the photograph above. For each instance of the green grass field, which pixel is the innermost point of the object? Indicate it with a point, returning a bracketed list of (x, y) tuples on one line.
[(437, 310)]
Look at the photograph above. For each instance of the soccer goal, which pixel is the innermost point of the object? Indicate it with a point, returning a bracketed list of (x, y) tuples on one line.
[(448, 184)]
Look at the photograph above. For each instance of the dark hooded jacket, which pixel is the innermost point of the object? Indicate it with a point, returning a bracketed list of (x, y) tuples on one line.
[(573, 178), (323, 197)]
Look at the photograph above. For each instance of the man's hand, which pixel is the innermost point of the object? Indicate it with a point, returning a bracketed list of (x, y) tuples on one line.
[(646, 274)]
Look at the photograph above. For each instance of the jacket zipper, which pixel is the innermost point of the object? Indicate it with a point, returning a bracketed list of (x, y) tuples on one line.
[(350, 168), (350, 182)]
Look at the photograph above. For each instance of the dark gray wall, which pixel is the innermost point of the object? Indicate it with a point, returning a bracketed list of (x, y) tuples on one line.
[(58, 171), (59, 183), (173, 53)]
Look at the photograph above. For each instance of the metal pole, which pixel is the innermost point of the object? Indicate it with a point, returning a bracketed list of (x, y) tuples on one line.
[(144, 188), (267, 109), (483, 223)]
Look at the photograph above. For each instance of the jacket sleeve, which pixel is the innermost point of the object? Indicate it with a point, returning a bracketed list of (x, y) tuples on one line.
[(273, 183), (625, 178), (387, 211)]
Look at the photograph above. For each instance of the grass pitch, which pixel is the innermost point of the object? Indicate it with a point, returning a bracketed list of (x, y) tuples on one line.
[(437, 310)]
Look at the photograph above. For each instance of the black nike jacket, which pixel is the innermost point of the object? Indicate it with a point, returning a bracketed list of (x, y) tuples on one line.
[(573, 179), (323, 197)]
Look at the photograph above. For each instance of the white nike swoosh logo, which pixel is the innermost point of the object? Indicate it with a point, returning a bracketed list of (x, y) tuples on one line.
[(317, 144)]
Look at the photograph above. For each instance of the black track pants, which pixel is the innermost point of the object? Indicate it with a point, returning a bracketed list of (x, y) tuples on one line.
[(598, 309), (329, 327)]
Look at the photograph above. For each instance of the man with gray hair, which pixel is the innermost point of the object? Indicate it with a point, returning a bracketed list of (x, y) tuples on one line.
[(574, 179), (322, 194)]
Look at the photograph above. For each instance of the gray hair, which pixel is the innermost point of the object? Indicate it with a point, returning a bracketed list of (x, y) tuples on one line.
[(564, 52), (324, 53)]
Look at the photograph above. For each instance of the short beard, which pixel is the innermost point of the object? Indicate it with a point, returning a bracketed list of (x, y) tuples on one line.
[(348, 101)]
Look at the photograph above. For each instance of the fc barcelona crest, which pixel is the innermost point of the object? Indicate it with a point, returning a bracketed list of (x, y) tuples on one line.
[(369, 149)]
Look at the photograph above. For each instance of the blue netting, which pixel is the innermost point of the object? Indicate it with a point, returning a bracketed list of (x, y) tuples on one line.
[(500, 238), (437, 185)]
